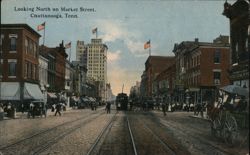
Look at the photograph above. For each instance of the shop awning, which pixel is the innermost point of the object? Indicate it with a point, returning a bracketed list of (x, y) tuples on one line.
[(9, 91), (32, 91), (52, 95)]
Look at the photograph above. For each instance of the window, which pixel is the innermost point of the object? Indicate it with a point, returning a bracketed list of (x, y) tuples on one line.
[(1, 68), (1, 43), (29, 70), (217, 56), (26, 69), (29, 46), (12, 67), (34, 72), (217, 76), (34, 48), (12, 44), (26, 46)]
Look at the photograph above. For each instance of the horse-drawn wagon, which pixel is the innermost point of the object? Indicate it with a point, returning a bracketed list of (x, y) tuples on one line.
[(231, 102)]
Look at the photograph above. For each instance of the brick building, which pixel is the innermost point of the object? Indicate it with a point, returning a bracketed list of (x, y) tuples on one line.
[(200, 68), (239, 16), (56, 66), (153, 67), (19, 63), (165, 81)]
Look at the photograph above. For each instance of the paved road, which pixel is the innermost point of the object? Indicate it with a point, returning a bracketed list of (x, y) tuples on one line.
[(76, 131)]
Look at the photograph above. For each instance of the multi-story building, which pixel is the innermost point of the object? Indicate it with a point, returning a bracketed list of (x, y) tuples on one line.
[(143, 85), (43, 72), (19, 63), (43, 75), (69, 76), (79, 79), (110, 95), (56, 66), (69, 73), (239, 16), (165, 81), (94, 56), (200, 68), (135, 91), (153, 67)]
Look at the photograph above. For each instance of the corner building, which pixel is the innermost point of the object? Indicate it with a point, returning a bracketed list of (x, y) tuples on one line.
[(19, 72)]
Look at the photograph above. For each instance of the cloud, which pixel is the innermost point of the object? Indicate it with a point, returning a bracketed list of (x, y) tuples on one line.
[(113, 30), (113, 56), (119, 75), (136, 47)]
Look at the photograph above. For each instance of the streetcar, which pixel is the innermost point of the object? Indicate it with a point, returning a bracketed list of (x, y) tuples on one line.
[(122, 101)]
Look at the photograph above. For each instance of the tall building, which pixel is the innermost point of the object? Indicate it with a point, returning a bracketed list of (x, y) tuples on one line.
[(94, 57)]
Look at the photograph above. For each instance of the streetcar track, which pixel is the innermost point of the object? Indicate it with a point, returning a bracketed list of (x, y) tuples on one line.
[(166, 146), (106, 130), (40, 133), (45, 145), (101, 135), (131, 136)]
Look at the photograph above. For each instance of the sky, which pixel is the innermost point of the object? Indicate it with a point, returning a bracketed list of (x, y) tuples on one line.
[(124, 26)]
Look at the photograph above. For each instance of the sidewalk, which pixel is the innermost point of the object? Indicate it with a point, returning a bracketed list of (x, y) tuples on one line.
[(20, 115)]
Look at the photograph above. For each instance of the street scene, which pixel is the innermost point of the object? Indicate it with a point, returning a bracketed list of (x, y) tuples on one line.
[(124, 77)]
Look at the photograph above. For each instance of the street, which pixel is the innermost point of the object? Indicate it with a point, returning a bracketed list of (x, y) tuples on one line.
[(95, 132)]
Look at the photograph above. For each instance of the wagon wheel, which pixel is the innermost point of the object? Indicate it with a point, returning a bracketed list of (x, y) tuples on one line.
[(216, 128), (230, 130)]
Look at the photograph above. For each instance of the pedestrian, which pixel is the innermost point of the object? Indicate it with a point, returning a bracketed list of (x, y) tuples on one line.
[(58, 109), (131, 105), (22, 108), (45, 109), (108, 105), (163, 106), (32, 110), (1, 107), (94, 105), (53, 108)]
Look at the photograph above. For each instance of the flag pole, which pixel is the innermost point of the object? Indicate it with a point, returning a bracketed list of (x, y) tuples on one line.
[(96, 33), (149, 48), (149, 51), (44, 33), (69, 53)]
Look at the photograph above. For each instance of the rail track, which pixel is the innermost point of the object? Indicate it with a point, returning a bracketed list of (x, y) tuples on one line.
[(97, 147), (150, 142), (39, 142)]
